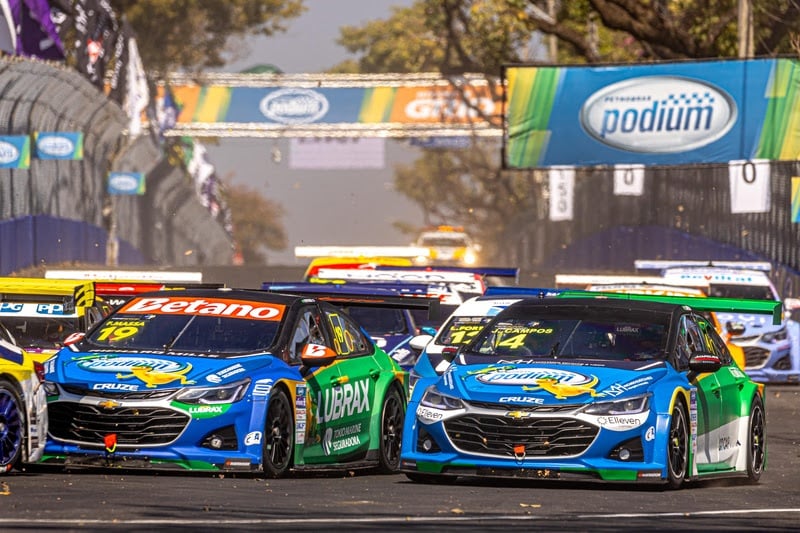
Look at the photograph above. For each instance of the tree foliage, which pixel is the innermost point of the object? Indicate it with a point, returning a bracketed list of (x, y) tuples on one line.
[(196, 34), (256, 223), (479, 36)]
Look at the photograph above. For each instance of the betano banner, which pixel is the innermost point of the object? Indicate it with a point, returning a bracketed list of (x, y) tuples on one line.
[(657, 114), (336, 105)]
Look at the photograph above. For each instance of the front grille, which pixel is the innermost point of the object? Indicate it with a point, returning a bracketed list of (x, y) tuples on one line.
[(526, 407), (755, 357), (134, 426), (500, 435), (116, 395)]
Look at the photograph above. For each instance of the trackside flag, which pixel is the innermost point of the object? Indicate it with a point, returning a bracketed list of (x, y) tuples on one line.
[(628, 180), (749, 184), (562, 192)]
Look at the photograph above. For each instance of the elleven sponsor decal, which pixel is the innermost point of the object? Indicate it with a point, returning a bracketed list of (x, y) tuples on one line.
[(658, 114), (294, 106)]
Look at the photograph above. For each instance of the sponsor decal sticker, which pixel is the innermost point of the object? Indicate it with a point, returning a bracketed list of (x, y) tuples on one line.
[(294, 106), (658, 114), (343, 401), (254, 437), (429, 415), (205, 306), (262, 387)]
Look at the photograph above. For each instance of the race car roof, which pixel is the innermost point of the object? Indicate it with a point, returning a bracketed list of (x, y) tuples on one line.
[(162, 276)]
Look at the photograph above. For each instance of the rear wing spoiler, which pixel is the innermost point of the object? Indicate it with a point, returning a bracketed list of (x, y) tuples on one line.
[(345, 295), (580, 281), (525, 292), (496, 272), (360, 251), (162, 276), (711, 304), (309, 287), (662, 264), (69, 293)]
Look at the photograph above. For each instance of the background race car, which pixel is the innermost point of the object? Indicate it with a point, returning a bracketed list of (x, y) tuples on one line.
[(616, 387), (23, 405), (226, 380)]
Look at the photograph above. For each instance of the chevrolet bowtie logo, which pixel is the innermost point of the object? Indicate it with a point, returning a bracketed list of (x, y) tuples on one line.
[(109, 404), (518, 415)]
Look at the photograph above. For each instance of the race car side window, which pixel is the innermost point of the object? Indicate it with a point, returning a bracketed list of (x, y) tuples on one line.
[(349, 339), (713, 342), (690, 340), (307, 330)]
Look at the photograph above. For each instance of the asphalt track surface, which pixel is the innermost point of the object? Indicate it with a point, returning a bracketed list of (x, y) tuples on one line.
[(51, 499)]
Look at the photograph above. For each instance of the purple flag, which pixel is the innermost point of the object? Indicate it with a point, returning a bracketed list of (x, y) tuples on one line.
[(37, 35)]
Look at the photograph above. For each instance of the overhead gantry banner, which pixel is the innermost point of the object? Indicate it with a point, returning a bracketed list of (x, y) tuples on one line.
[(652, 114), (304, 105)]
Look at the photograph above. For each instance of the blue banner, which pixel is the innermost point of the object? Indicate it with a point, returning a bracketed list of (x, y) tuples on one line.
[(652, 114), (15, 151), (126, 183), (59, 145)]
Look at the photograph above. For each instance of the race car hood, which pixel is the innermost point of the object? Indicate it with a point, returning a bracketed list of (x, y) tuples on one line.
[(550, 383), (144, 371)]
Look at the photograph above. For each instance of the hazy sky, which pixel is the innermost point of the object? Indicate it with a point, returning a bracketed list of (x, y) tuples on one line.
[(322, 206)]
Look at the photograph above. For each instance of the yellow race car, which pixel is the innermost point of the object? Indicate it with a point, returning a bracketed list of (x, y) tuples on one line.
[(23, 405)]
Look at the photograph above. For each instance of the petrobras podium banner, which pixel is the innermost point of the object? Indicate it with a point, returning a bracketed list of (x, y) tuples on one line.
[(655, 114), (15, 151), (59, 145), (126, 183)]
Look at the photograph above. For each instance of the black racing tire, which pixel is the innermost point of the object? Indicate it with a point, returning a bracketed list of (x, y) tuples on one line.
[(393, 415), (12, 426), (677, 447), (756, 440), (278, 444)]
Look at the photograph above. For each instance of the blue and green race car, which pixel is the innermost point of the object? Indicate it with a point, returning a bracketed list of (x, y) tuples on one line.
[(592, 387)]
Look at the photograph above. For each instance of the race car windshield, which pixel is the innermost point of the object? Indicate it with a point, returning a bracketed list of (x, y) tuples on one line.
[(379, 321), (461, 329), (618, 335), (183, 334), (750, 292), (41, 333), (444, 242)]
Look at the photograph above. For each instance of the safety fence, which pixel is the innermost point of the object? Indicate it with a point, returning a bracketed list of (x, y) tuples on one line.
[(163, 224), (686, 212)]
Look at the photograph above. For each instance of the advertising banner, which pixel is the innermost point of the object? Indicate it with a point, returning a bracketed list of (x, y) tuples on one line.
[(408, 106), (749, 183), (59, 145), (126, 183), (652, 114), (795, 199), (15, 151)]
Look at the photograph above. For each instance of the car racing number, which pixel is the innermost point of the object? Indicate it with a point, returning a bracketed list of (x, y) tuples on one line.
[(118, 330), (462, 334), (514, 338)]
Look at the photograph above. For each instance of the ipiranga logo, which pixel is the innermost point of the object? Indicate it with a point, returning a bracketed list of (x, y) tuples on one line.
[(658, 114)]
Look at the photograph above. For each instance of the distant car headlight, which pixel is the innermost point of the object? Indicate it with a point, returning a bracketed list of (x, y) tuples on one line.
[(628, 406), (774, 336), (230, 393), (437, 400), (470, 258)]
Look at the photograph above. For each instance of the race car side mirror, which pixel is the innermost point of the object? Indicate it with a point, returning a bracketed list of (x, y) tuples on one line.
[(317, 355), (449, 353), (419, 342), (703, 362)]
